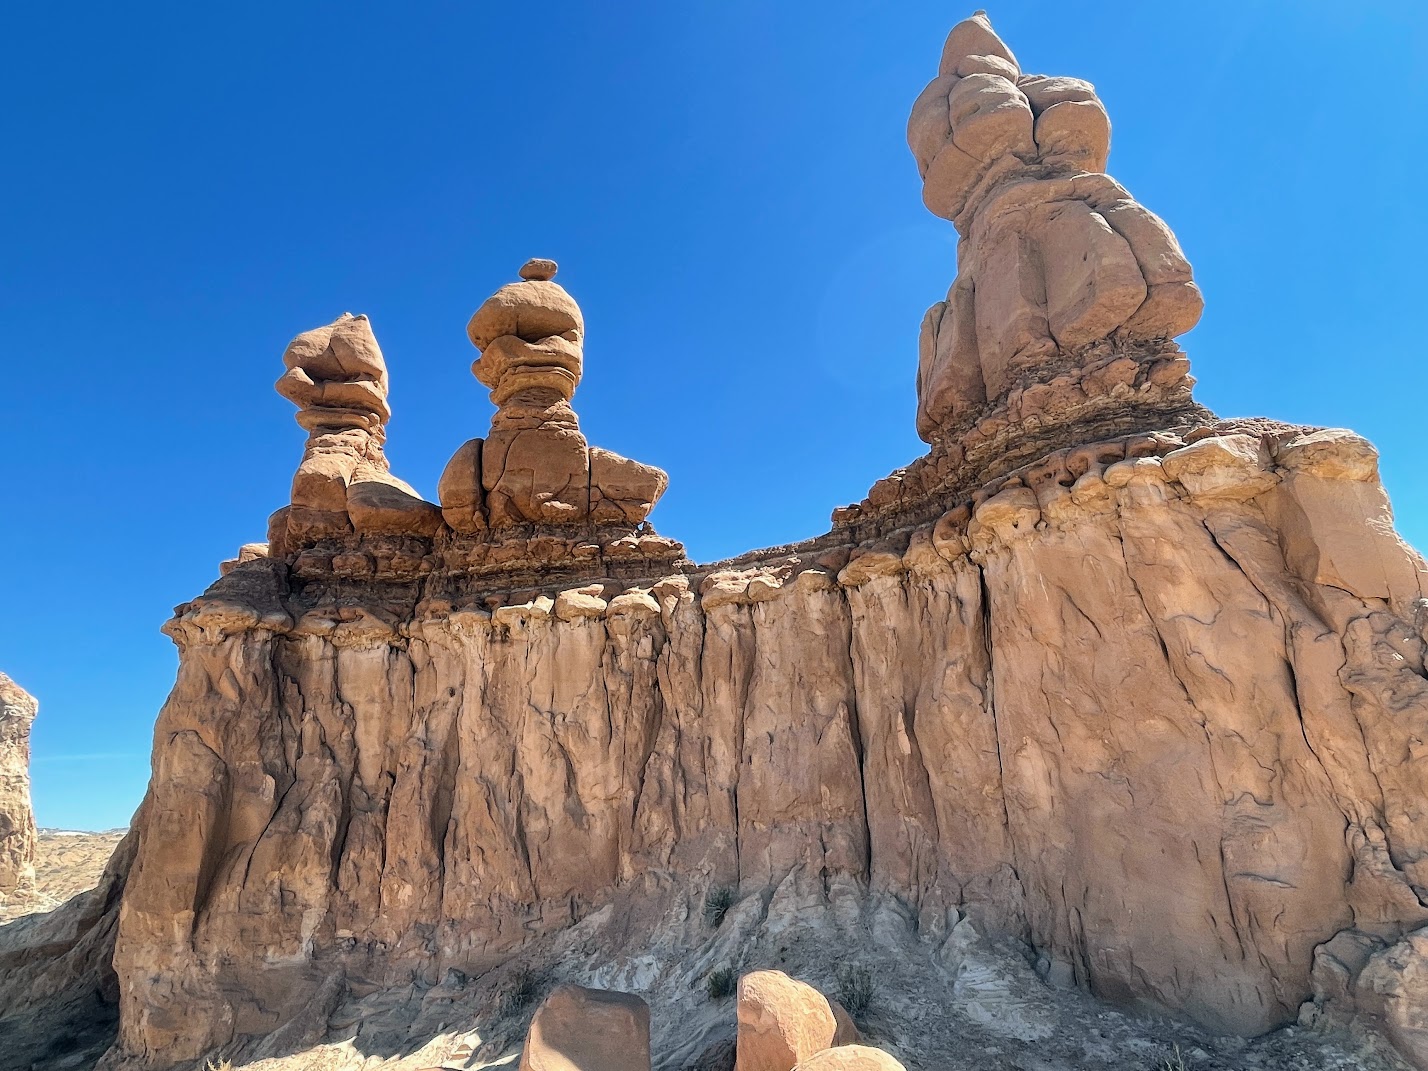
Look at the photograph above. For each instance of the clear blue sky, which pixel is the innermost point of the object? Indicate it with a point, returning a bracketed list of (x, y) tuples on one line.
[(728, 191)]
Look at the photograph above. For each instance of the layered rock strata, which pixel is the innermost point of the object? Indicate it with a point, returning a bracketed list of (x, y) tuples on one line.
[(1140, 690), (17, 816), (1155, 715)]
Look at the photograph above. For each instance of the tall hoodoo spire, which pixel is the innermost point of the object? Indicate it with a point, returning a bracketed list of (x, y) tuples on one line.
[(1060, 273)]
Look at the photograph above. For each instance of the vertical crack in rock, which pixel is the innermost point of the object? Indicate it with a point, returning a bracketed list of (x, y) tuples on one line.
[(993, 709)]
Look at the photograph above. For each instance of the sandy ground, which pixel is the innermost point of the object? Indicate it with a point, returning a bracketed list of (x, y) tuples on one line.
[(67, 862)]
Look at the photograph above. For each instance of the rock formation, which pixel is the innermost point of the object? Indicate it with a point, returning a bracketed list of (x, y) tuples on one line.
[(580, 1029), (1140, 691), (534, 467), (529, 502), (58, 990), (782, 1022), (1058, 328), (338, 380), (1125, 703), (17, 817)]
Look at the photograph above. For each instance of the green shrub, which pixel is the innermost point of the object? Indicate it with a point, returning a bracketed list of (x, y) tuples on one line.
[(722, 983), (717, 902)]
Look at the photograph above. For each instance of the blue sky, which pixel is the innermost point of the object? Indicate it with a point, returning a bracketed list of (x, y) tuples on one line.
[(728, 191)]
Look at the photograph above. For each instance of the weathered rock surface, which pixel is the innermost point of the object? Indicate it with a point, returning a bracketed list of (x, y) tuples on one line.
[(1057, 329), (1393, 992), (337, 378), (1054, 255), (530, 501), (580, 1029), (534, 466), (1096, 708), (851, 1058), (782, 1022), (17, 816), (1139, 693), (58, 991)]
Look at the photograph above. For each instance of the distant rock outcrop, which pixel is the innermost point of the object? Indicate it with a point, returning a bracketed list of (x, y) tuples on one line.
[(17, 816), (1139, 692)]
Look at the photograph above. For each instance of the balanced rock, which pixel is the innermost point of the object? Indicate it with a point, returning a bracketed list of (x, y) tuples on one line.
[(17, 817), (535, 466), (580, 1029), (781, 1022)]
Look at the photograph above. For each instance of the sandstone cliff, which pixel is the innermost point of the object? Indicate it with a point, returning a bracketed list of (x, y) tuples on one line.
[(1132, 691), (1157, 716)]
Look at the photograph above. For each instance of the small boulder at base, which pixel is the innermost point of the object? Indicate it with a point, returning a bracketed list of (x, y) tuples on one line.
[(782, 1022), (579, 1029), (851, 1058)]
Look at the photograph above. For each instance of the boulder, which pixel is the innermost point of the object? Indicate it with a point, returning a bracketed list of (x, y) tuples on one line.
[(781, 1022), (1393, 991), (851, 1058), (580, 1029)]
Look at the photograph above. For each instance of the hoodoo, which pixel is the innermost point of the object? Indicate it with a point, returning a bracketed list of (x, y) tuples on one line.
[(1134, 691), (535, 467)]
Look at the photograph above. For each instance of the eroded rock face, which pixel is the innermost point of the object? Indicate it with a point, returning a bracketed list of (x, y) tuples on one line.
[(1088, 687), (1393, 991), (1058, 329), (17, 816), (58, 991), (530, 501), (1054, 255), (337, 378), (1141, 689)]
